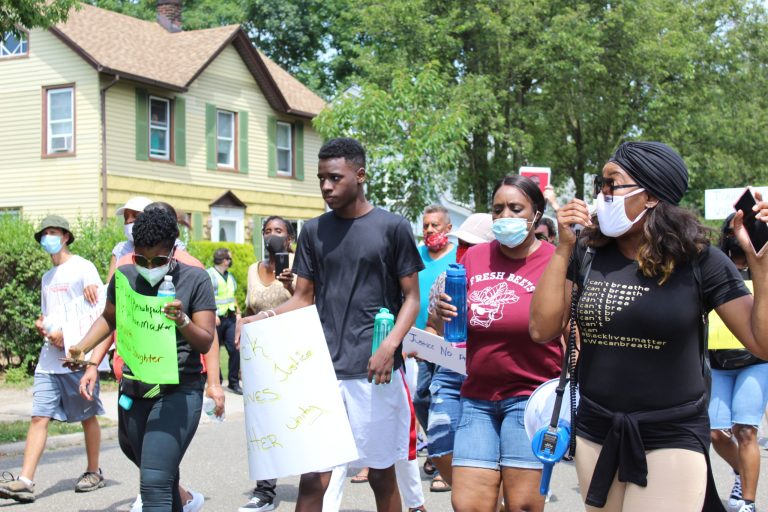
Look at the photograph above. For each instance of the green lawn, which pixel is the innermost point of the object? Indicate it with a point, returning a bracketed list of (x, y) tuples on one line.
[(13, 431)]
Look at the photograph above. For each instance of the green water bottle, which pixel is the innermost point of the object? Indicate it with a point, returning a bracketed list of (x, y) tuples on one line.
[(383, 323)]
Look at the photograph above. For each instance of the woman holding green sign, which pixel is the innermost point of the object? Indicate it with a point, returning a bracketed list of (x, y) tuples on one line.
[(161, 339)]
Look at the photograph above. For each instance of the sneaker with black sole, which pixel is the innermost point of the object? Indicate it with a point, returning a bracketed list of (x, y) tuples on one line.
[(90, 481), (258, 504), (17, 490)]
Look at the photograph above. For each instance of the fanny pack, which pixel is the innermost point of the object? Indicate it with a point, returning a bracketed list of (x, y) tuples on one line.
[(137, 389), (732, 359)]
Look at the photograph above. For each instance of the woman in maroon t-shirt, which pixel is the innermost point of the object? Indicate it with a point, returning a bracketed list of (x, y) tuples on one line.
[(503, 365)]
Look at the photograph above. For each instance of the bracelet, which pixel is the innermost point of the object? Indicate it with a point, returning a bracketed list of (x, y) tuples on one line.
[(271, 311), (185, 323)]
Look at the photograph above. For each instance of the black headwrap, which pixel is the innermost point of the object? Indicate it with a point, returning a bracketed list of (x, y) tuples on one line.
[(656, 167)]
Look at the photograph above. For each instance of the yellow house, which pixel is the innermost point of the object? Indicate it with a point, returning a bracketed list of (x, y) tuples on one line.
[(105, 107)]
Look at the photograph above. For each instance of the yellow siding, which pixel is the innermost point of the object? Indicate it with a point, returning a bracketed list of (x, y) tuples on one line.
[(65, 185), (229, 85), (188, 198)]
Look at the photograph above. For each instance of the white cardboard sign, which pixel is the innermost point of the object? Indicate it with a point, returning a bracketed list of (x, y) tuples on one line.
[(718, 202), (295, 421), (436, 350), (76, 317)]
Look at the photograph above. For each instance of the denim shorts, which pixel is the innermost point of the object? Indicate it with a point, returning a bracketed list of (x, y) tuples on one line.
[(738, 396), (57, 396), (491, 434), (444, 411)]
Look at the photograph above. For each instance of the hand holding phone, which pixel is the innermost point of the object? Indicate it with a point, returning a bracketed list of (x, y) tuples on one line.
[(281, 262), (756, 229)]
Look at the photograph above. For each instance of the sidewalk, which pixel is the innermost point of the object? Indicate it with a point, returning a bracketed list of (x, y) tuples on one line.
[(16, 404)]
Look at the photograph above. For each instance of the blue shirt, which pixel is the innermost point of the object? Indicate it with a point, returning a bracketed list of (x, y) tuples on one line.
[(432, 269)]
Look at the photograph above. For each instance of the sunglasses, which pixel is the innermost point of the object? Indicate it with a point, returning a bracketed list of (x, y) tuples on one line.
[(157, 261), (603, 183)]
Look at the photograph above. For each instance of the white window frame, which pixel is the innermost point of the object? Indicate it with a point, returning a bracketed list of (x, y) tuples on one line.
[(289, 149), (236, 215), (5, 53), (167, 128), (232, 164), (70, 146)]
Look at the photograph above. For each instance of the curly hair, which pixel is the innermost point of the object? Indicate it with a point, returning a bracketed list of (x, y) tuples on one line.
[(349, 149), (155, 227), (672, 236)]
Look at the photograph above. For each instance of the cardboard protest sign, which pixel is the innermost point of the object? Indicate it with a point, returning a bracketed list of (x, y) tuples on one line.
[(540, 175), (436, 350), (76, 318), (147, 337), (295, 421)]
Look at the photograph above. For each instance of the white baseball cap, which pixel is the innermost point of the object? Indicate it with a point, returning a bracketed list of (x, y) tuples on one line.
[(137, 204), (476, 229)]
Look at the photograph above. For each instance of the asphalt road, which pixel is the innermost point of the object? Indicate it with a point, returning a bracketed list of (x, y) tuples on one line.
[(216, 465)]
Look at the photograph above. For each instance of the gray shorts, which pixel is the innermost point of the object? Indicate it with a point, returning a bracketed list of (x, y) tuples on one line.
[(56, 396)]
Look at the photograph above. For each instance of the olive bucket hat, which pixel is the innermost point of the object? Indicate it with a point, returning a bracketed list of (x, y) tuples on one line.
[(54, 221)]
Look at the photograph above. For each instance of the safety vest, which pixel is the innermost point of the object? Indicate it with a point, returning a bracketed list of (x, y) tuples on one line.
[(719, 336), (224, 291)]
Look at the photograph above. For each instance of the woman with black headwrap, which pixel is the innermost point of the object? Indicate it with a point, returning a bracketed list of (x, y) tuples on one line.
[(646, 278)]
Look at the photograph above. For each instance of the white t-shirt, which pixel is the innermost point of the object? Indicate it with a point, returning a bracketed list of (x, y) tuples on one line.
[(61, 285)]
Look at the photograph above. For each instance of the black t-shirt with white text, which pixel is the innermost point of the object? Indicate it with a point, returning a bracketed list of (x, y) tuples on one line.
[(356, 265), (640, 347)]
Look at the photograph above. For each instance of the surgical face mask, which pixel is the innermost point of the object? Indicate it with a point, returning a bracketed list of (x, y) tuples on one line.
[(612, 217), (275, 243), (51, 243), (128, 230), (512, 231), (153, 275)]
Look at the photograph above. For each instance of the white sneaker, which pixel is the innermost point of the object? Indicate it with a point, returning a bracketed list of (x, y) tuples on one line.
[(747, 508), (196, 503), (735, 501), (136, 507)]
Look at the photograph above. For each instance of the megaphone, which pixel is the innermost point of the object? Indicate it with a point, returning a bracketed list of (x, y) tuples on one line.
[(549, 445)]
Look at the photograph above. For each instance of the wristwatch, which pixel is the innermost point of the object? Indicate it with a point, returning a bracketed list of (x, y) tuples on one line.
[(184, 323)]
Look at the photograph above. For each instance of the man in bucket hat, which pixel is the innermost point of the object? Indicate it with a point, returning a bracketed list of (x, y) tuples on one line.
[(56, 388)]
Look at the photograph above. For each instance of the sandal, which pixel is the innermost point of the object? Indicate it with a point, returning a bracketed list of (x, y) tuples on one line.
[(429, 467), (361, 477), (439, 485)]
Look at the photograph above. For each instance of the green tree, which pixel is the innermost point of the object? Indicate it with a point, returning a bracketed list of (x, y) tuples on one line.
[(563, 83), (29, 14), (414, 133)]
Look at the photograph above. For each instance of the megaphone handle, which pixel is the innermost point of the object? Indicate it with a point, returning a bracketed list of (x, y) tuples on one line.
[(546, 475)]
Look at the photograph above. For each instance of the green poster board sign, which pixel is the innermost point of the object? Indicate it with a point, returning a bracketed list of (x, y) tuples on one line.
[(147, 339)]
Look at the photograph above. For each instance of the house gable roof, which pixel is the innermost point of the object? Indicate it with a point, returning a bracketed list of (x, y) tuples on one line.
[(228, 200), (145, 52)]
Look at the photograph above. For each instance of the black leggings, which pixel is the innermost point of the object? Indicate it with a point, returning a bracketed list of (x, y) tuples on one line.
[(155, 434)]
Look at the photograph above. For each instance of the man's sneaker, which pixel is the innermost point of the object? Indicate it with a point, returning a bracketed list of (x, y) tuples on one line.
[(747, 507), (17, 490), (735, 501), (196, 503), (257, 504), (90, 481), (137, 504)]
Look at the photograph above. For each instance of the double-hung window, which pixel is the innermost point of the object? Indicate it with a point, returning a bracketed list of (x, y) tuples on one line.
[(225, 139), (59, 112), (284, 147), (159, 128)]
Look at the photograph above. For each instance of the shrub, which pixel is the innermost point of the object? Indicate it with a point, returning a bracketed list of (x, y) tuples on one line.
[(242, 258)]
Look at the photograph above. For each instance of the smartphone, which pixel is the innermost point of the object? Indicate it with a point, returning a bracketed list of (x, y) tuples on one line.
[(281, 262), (79, 363), (756, 229)]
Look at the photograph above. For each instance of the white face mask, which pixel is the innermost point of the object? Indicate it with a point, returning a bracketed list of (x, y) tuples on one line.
[(612, 216), (128, 230), (153, 275)]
